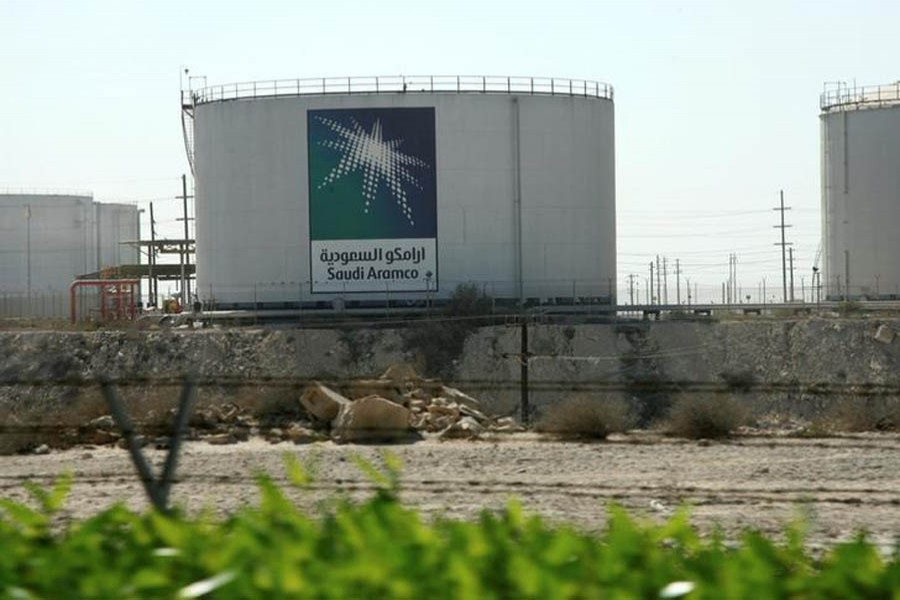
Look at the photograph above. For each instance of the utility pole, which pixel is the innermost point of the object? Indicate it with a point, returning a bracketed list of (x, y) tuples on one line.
[(687, 288), (652, 285), (631, 288), (665, 281), (185, 247), (658, 282), (726, 297), (783, 245), (678, 281), (791, 257), (735, 293), (153, 282)]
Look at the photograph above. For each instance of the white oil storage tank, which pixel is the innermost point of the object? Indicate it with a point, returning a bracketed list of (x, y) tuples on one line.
[(47, 240), (860, 129), (362, 191)]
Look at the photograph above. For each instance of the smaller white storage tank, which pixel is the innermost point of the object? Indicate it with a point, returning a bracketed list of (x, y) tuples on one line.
[(860, 128), (47, 240)]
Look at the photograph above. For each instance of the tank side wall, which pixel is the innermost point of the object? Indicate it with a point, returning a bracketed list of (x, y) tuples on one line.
[(47, 241), (253, 192), (861, 202)]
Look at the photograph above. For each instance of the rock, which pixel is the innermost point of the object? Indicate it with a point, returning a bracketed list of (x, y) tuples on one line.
[(467, 428), (105, 423), (240, 433), (451, 410), (322, 402), (437, 423), (203, 419), (417, 394), (506, 425), (361, 388), (473, 412), (220, 439), (400, 372), (302, 435), (459, 397), (100, 437), (42, 449), (123, 442), (884, 334), (371, 418)]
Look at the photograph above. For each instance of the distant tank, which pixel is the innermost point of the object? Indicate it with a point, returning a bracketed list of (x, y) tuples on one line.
[(861, 191), (47, 240)]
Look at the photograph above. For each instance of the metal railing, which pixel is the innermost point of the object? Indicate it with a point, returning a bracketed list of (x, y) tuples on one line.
[(25, 191), (391, 84), (840, 95)]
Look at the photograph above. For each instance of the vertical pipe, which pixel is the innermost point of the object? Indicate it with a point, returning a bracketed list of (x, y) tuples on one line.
[(523, 358), (99, 222), (846, 275), (791, 258), (517, 143), (186, 289), (28, 253)]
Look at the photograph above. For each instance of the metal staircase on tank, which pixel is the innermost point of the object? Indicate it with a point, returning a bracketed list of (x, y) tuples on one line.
[(187, 113)]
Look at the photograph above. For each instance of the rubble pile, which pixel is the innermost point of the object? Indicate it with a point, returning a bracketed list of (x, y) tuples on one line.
[(398, 405), (218, 425)]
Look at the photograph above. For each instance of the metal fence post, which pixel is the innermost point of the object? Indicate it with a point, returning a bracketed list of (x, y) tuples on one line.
[(157, 489)]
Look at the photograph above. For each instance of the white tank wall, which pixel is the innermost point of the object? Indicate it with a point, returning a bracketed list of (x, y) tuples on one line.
[(68, 235), (252, 194), (861, 201), (119, 223)]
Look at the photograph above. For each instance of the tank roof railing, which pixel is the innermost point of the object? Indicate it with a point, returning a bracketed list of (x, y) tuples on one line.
[(839, 95), (69, 193), (394, 84)]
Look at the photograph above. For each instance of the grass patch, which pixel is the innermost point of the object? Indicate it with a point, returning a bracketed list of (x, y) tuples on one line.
[(706, 416), (854, 414), (587, 417)]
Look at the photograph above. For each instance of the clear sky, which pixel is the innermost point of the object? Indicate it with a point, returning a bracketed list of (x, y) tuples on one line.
[(716, 101)]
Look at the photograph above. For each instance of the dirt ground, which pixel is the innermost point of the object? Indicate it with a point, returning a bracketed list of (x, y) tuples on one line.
[(841, 484)]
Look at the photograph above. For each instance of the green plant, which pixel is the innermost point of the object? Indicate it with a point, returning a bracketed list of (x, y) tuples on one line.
[(380, 549), (709, 416), (586, 416)]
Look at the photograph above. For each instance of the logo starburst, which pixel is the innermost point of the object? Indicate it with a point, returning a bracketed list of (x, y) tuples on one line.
[(380, 161)]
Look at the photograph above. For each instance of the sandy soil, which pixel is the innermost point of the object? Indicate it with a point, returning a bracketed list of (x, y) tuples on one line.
[(841, 484)]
